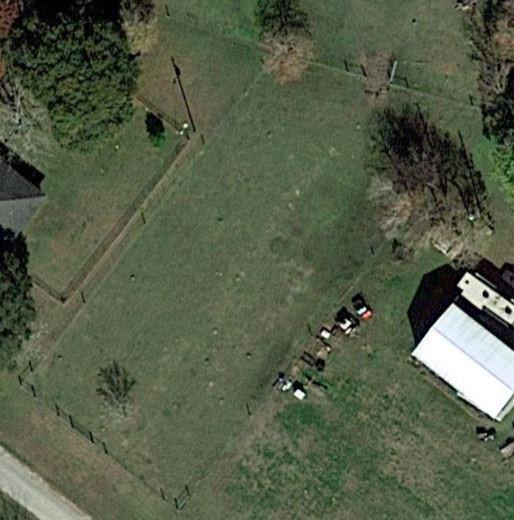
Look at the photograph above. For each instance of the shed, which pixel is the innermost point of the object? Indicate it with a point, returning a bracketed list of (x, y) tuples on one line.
[(472, 360)]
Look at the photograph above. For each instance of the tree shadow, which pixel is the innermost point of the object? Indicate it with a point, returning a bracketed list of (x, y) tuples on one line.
[(15, 244)]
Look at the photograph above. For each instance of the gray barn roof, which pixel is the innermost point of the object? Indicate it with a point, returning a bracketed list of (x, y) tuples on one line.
[(19, 197)]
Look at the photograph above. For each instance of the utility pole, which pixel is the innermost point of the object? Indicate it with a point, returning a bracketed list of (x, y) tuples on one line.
[(177, 71)]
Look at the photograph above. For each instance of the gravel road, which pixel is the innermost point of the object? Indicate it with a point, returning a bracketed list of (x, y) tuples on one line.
[(28, 489)]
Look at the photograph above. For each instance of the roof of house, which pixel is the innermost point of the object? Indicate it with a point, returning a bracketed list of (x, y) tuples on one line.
[(471, 359), (19, 197)]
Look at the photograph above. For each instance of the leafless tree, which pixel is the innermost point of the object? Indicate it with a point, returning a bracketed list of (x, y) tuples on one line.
[(114, 385), (426, 188)]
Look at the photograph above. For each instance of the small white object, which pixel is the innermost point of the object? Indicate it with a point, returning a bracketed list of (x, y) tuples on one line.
[(300, 394), (325, 333), (287, 385)]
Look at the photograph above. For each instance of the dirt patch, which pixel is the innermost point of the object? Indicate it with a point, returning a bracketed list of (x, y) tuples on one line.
[(377, 70), (287, 57)]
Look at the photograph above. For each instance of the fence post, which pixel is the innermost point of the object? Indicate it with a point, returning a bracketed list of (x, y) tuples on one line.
[(91, 438), (57, 410), (162, 494), (33, 390), (30, 366), (363, 70), (176, 503), (105, 448), (346, 66), (71, 421), (20, 380), (187, 491)]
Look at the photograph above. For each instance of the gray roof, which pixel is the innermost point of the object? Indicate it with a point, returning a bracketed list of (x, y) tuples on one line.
[(19, 197)]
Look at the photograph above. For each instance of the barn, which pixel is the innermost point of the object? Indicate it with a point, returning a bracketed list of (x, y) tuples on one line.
[(470, 346)]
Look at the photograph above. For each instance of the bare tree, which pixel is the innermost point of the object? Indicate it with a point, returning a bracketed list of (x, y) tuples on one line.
[(427, 189), (286, 40), (287, 57), (24, 122), (140, 24), (114, 385)]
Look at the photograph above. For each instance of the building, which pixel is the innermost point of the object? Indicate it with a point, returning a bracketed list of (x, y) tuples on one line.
[(471, 344), (20, 193)]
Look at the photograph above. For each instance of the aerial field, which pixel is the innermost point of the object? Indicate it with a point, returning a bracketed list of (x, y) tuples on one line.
[(384, 442), (246, 254), (86, 194), (239, 259)]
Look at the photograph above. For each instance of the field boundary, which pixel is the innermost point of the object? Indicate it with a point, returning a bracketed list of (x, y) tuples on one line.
[(176, 502), (108, 240)]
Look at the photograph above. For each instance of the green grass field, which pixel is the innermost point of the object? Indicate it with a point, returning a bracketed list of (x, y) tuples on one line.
[(228, 273), (384, 442), (86, 194), (264, 230)]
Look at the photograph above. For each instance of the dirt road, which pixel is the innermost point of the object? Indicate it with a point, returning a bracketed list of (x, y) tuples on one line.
[(33, 493)]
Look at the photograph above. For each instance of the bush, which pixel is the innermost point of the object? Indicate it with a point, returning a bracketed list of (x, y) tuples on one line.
[(503, 158), (281, 16), (155, 129)]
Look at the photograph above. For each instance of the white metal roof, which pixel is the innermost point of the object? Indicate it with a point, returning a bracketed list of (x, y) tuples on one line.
[(471, 359)]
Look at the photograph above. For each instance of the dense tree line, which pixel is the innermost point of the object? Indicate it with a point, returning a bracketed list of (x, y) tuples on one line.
[(16, 303), (75, 59), (492, 29)]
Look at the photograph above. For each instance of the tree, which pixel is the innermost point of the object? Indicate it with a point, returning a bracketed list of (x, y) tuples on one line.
[(114, 385), (285, 38), (16, 304), (492, 30), (140, 24), (427, 189), (281, 17), (137, 10), (155, 129), (77, 62)]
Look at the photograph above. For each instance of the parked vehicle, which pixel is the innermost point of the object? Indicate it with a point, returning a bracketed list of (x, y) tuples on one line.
[(361, 307)]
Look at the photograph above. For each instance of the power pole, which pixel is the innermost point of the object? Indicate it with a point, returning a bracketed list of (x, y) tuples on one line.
[(178, 73)]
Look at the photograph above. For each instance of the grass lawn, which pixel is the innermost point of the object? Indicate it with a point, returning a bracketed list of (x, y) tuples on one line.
[(86, 194), (228, 273), (234, 18), (253, 245), (420, 34), (214, 72), (383, 443), (69, 463)]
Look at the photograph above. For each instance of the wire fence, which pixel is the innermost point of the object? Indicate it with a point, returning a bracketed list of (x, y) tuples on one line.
[(176, 502), (401, 79), (109, 239)]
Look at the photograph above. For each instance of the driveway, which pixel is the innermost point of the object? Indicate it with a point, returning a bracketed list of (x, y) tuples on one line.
[(28, 489)]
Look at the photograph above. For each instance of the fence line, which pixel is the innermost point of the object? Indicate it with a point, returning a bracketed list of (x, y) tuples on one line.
[(109, 239), (159, 112), (178, 502)]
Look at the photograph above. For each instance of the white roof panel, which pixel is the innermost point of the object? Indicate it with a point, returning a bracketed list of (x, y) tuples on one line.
[(471, 359)]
